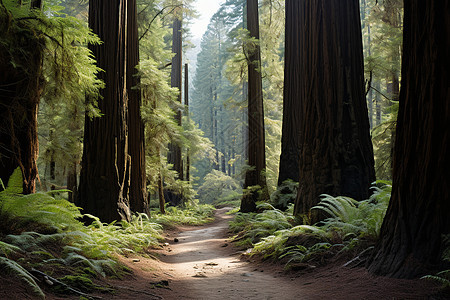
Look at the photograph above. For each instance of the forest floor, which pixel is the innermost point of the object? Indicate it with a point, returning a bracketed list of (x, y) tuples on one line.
[(199, 263)]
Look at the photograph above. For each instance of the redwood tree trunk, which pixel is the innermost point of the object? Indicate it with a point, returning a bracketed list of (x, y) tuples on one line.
[(138, 190), (105, 172), (175, 81), (174, 155), (21, 87), (418, 215), (336, 155), (254, 176), (290, 144), (186, 103)]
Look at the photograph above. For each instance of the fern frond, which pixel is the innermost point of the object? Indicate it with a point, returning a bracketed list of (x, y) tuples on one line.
[(11, 268)]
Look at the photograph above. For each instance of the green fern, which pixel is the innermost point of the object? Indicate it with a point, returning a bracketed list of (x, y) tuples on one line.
[(11, 268)]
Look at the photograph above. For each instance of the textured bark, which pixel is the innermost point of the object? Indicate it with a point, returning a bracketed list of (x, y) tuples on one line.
[(174, 156), (254, 176), (72, 182), (105, 172), (418, 215), (138, 190), (290, 144), (336, 155), (186, 104), (21, 87)]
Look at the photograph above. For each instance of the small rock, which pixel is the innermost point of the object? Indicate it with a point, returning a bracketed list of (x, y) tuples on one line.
[(200, 275), (211, 264), (225, 245), (175, 240), (166, 244), (136, 260)]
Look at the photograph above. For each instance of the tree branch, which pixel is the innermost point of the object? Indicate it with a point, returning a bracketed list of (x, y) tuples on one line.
[(160, 12)]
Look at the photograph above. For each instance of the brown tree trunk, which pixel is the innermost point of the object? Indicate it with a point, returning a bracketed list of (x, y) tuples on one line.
[(72, 182), (186, 104), (138, 190), (418, 215), (105, 171), (254, 176), (290, 143), (336, 155), (174, 156), (21, 87)]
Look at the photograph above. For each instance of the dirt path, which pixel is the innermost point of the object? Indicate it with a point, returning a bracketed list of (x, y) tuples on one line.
[(202, 265)]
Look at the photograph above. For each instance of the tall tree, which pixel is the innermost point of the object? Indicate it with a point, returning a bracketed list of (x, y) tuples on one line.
[(21, 82), (418, 213), (176, 82), (255, 174), (290, 144), (186, 103), (138, 190), (105, 174), (336, 155), (174, 156)]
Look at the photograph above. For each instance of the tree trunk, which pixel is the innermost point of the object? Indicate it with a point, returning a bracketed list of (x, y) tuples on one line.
[(186, 104), (138, 190), (21, 88), (174, 156), (290, 143), (72, 182), (254, 176), (105, 172), (336, 155), (418, 215)]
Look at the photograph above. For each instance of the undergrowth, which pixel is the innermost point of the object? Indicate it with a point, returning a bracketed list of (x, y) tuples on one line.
[(41, 233), (192, 215), (351, 227)]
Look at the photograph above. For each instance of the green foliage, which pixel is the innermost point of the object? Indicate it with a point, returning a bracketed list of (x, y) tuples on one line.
[(11, 268), (218, 187), (351, 225), (362, 218), (285, 194), (191, 215), (68, 75), (252, 227), (40, 207), (383, 143)]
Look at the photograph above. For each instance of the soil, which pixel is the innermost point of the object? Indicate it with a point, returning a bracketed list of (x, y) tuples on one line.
[(199, 263)]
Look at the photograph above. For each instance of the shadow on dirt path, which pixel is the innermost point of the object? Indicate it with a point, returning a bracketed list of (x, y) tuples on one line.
[(203, 265)]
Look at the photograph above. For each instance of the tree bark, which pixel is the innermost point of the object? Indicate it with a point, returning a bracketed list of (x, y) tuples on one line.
[(138, 190), (21, 88), (290, 143), (174, 156), (336, 155), (254, 176), (418, 214), (105, 172), (186, 104)]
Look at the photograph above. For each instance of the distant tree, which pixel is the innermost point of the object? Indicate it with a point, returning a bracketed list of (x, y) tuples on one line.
[(255, 174), (106, 164), (336, 155), (418, 214), (174, 156)]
